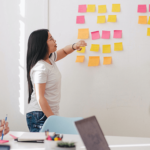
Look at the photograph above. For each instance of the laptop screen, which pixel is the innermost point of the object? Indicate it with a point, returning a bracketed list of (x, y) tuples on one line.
[(91, 134)]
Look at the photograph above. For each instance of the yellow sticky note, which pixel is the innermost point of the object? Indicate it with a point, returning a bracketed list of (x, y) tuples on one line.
[(149, 21), (80, 59), (82, 50), (148, 31), (115, 7), (102, 9), (118, 46), (112, 18), (142, 20), (90, 8), (107, 60), (93, 61), (83, 33), (101, 19), (94, 47), (106, 48)]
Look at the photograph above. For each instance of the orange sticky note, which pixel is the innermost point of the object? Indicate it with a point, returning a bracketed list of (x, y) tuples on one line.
[(93, 61), (142, 20), (83, 33), (107, 60), (80, 59)]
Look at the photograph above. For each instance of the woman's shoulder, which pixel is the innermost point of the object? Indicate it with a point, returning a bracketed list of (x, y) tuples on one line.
[(39, 66)]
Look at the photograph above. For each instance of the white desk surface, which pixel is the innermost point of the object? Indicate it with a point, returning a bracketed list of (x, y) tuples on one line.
[(115, 142)]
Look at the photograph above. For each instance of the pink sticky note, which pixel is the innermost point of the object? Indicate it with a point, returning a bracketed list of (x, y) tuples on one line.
[(80, 20), (105, 34), (82, 8), (142, 8), (3, 141), (149, 8), (95, 35), (117, 34), (14, 137)]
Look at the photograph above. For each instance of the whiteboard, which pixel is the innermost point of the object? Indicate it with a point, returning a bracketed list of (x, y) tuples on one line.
[(117, 94)]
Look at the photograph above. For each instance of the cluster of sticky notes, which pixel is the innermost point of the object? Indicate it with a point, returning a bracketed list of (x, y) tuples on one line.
[(102, 19), (101, 8)]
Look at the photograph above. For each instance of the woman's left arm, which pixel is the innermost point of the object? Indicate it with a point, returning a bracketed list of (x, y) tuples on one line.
[(68, 49)]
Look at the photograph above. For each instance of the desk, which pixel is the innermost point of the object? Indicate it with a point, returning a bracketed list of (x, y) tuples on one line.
[(115, 142)]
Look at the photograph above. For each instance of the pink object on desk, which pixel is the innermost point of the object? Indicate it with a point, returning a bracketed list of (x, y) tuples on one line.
[(117, 34), (95, 35), (142, 8), (149, 8), (3, 141), (105, 34), (14, 137), (82, 8), (80, 20)]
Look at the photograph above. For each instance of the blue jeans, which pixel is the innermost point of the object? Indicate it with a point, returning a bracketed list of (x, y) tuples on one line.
[(35, 120)]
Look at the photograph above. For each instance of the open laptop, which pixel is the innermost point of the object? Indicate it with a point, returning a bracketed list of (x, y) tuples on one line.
[(91, 134)]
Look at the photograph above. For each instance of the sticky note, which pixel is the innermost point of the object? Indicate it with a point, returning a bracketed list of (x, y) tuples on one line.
[(82, 50), (107, 60), (142, 20), (115, 7), (105, 34), (112, 18), (80, 59), (102, 9), (93, 61), (82, 8), (117, 34), (148, 31), (14, 137), (149, 21), (106, 48), (95, 35), (118, 46), (83, 33), (94, 47), (149, 8), (101, 19), (3, 141), (80, 20), (91, 8), (142, 8)]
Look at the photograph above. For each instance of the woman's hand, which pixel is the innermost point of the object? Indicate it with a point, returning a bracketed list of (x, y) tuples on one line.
[(80, 44), (6, 130)]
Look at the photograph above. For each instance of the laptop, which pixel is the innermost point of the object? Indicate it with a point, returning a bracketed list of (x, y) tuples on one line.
[(91, 134)]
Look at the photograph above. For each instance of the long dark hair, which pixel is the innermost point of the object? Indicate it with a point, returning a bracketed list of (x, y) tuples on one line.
[(37, 50)]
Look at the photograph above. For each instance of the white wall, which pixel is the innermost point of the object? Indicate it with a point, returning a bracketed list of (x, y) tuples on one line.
[(18, 18), (118, 94)]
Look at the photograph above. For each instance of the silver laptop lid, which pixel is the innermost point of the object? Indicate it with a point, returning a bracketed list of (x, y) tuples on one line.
[(91, 134)]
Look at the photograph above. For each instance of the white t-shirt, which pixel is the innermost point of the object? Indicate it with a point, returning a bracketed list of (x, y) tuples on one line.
[(43, 72)]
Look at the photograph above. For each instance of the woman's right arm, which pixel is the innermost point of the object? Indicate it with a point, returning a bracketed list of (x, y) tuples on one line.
[(40, 90)]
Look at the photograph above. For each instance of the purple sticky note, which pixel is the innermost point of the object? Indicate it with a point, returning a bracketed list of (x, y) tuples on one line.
[(82, 8), (142, 8), (80, 20), (105, 34), (95, 35), (117, 34)]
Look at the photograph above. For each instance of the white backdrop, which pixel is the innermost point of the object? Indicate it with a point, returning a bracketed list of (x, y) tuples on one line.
[(117, 94), (18, 19)]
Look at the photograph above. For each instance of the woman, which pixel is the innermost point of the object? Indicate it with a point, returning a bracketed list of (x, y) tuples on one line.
[(44, 78), (6, 128)]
